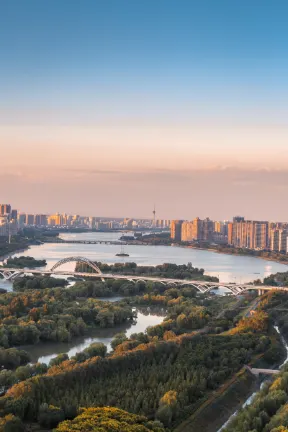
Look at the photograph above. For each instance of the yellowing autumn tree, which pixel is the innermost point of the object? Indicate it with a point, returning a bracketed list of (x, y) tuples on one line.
[(108, 419)]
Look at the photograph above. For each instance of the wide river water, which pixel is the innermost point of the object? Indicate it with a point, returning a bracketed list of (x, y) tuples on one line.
[(229, 268)]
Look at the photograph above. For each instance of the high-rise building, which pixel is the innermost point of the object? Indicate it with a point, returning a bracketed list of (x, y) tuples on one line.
[(7, 227), (271, 227), (5, 209), (103, 225), (187, 231), (283, 240), (260, 235), (221, 227), (56, 220), (167, 223), (40, 220), (249, 234), (4, 229), (91, 222), (278, 240), (21, 219), (218, 226), (161, 223), (230, 232), (29, 219), (197, 229), (238, 219), (274, 240), (175, 229), (207, 229), (14, 215), (75, 220)]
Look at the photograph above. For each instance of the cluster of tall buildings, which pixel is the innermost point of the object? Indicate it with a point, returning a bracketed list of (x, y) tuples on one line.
[(198, 230), (258, 234), (11, 221), (240, 233), (8, 220)]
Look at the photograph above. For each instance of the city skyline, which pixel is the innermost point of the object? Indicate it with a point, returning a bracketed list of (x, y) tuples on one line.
[(148, 216), (239, 233), (120, 100)]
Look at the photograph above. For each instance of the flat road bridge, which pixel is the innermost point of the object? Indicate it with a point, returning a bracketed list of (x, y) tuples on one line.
[(108, 242), (200, 285), (257, 372)]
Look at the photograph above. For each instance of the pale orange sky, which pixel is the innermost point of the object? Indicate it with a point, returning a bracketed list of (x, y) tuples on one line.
[(121, 171), (142, 147)]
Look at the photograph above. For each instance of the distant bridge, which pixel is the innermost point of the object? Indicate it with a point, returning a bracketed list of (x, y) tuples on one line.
[(106, 242), (202, 286)]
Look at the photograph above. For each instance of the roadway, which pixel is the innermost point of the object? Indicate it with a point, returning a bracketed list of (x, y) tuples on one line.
[(107, 242), (202, 286), (256, 371)]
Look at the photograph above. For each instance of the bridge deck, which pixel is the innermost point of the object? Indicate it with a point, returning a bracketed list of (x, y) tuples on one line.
[(202, 286), (256, 371)]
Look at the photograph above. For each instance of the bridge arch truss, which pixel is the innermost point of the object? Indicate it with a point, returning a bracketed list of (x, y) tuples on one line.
[(77, 259), (10, 274)]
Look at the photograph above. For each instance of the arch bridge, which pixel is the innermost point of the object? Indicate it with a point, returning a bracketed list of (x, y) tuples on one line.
[(201, 286), (77, 259)]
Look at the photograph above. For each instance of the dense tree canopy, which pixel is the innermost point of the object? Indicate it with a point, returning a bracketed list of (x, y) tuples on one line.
[(37, 282), (166, 270), (188, 365), (25, 261), (268, 411), (54, 315), (162, 374), (108, 419)]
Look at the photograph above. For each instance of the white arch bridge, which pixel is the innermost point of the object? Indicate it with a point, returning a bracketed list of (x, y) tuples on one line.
[(202, 286)]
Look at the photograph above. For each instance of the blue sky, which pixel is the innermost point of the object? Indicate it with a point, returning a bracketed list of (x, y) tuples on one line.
[(167, 50), (127, 78)]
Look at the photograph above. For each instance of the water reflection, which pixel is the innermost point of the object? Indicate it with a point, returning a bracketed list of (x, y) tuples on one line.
[(44, 352), (229, 268)]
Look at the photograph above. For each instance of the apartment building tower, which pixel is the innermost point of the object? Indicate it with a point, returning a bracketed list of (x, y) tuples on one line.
[(248, 234), (176, 229)]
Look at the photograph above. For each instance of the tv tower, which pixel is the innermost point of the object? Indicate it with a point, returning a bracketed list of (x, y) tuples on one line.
[(154, 217)]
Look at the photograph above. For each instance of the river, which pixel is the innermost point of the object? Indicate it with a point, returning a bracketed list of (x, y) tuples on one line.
[(229, 268), (44, 352)]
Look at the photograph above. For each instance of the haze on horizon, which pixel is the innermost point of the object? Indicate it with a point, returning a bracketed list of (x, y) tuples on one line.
[(109, 106)]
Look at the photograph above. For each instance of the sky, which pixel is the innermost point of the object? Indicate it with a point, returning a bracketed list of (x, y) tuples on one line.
[(110, 106)]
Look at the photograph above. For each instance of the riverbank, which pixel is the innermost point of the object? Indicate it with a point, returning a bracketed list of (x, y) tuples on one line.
[(17, 250), (235, 254), (252, 256), (44, 352)]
